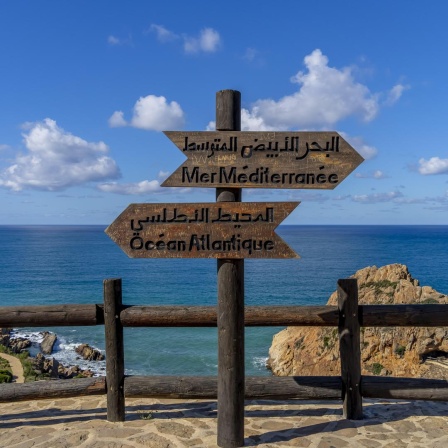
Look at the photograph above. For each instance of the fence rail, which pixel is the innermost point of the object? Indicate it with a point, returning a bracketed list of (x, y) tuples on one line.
[(348, 316), (430, 315)]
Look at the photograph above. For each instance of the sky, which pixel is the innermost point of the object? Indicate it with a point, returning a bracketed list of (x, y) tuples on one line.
[(86, 89)]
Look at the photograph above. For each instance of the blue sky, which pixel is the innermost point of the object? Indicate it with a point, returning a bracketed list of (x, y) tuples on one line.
[(87, 87)]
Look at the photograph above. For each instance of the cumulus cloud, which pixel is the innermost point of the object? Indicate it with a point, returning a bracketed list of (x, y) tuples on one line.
[(326, 95), (208, 40), (117, 120), (57, 160), (435, 165), (152, 113)]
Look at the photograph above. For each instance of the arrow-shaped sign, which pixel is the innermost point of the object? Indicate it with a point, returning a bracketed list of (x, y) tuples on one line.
[(262, 159), (207, 230)]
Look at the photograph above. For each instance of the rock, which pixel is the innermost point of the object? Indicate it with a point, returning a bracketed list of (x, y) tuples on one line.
[(51, 366), (38, 363), (48, 342), (396, 351), (17, 345), (89, 353)]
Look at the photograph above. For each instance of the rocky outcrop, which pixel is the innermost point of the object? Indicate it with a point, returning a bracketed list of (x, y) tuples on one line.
[(52, 368), (396, 351), (18, 345), (89, 353), (48, 341)]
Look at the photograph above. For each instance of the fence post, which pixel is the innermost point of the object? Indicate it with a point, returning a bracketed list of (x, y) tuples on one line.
[(230, 318), (350, 348), (114, 350)]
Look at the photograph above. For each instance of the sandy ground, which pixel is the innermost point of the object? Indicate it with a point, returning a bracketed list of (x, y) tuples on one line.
[(81, 422), (16, 367)]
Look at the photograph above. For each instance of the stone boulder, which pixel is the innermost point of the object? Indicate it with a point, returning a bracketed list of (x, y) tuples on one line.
[(396, 351), (18, 345), (89, 353), (48, 341)]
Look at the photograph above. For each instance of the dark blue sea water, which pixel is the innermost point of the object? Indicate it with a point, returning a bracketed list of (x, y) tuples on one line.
[(43, 265)]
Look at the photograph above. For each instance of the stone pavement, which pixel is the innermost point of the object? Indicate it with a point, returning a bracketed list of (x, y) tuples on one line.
[(81, 422)]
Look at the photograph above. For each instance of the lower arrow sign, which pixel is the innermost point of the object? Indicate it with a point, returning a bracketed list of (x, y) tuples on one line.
[(207, 230)]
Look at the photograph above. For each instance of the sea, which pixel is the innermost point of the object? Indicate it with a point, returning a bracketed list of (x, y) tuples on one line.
[(52, 265)]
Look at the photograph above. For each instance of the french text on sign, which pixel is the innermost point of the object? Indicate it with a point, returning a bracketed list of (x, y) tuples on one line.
[(204, 230), (319, 160)]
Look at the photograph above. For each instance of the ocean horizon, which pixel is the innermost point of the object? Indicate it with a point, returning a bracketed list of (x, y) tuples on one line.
[(56, 264)]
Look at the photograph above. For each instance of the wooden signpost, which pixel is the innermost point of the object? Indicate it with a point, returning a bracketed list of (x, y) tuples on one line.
[(229, 229), (319, 160), (207, 230)]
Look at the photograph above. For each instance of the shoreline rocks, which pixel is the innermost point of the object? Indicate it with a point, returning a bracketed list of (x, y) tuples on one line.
[(396, 351), (49, 367)]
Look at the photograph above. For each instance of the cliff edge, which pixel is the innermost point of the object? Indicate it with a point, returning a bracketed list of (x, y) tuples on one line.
[(395, 351)]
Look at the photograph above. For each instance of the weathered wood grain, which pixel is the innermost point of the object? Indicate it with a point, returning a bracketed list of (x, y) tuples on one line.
[(206, 316), (230, 318), (350, 348), (114, 350), (272, 388), (203, 230), (40, 390), (225, 158), (430, 315), (404, 388), (50, 315)]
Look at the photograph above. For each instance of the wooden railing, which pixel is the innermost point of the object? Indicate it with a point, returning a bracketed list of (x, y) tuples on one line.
[(348, 316)]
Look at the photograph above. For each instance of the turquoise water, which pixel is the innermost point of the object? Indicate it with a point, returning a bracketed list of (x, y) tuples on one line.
[(44, 265)]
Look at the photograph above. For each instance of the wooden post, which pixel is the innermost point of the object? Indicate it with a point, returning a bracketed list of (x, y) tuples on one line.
[(114, 350), (230, 305), (350, 348)]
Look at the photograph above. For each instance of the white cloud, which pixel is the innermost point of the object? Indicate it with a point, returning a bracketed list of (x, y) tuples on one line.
[(326, 96), (143, 187), (375, 198), (151, 113), (113, 40), (57, 160), (117, 120), (4, 147), (163, 34), (378, 174), (435, 165), (208, 41), (395, 94), (366, 151)]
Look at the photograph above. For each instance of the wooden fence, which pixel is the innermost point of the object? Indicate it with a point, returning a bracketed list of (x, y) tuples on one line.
[(348, 316)]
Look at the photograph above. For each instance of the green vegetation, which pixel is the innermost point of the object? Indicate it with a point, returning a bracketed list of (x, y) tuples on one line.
[(298, 344), (146, 415), (380, 286), (24, 357), (5, 376), (399, 350), (429, 301), (377, 368)]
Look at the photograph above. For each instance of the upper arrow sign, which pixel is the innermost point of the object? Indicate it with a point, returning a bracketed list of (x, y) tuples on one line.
[(208, 230), (262, 159)]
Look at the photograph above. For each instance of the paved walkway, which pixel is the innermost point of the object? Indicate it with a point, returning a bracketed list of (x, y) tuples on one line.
[(81, 422), (16, 367)]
